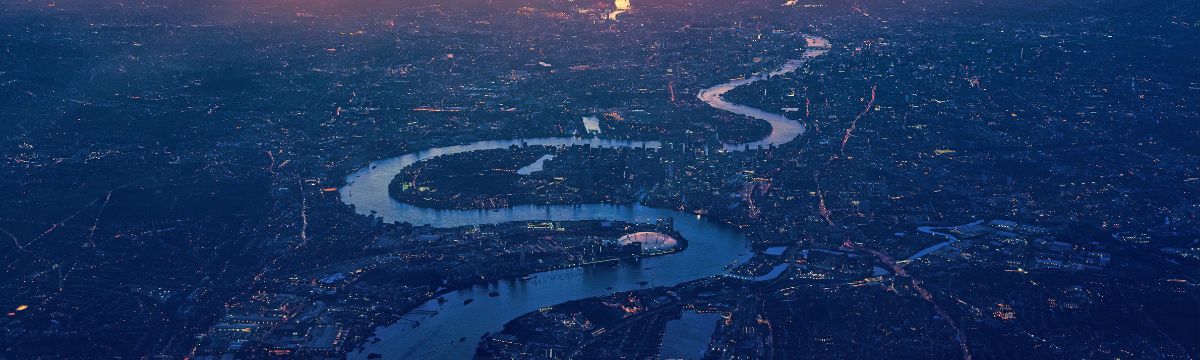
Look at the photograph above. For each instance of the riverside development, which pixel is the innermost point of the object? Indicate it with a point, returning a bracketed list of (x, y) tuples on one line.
[(635, 179), (711, 246)]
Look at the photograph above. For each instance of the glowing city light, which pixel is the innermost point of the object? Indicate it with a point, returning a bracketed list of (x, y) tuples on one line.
[(622, 7)]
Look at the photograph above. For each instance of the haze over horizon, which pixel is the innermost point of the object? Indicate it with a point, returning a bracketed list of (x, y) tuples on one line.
[(599, 179)]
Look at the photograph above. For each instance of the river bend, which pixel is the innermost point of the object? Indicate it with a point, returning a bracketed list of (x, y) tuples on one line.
[(711, 246)]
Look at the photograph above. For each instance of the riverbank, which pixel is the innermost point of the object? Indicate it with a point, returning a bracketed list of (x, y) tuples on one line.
[(528, 249), (711, 245)]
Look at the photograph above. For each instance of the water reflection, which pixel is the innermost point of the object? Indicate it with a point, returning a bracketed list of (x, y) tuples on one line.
[(711, 246)]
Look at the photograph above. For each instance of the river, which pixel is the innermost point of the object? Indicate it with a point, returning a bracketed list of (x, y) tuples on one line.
[(783, 129), (939, 231), (711, 246)]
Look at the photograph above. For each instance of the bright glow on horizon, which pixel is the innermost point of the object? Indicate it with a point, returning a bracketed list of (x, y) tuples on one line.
[(622, 7)]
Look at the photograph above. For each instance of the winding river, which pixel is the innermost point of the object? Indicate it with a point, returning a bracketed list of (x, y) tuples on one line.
[(711, 246)]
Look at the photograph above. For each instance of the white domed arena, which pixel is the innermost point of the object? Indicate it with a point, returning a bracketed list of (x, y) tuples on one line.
[(650, 241)]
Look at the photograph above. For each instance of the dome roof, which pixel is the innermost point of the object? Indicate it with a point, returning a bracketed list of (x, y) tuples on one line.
[(650, 241)]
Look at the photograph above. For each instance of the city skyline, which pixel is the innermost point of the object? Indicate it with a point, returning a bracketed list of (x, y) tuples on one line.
[(566, 179)]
